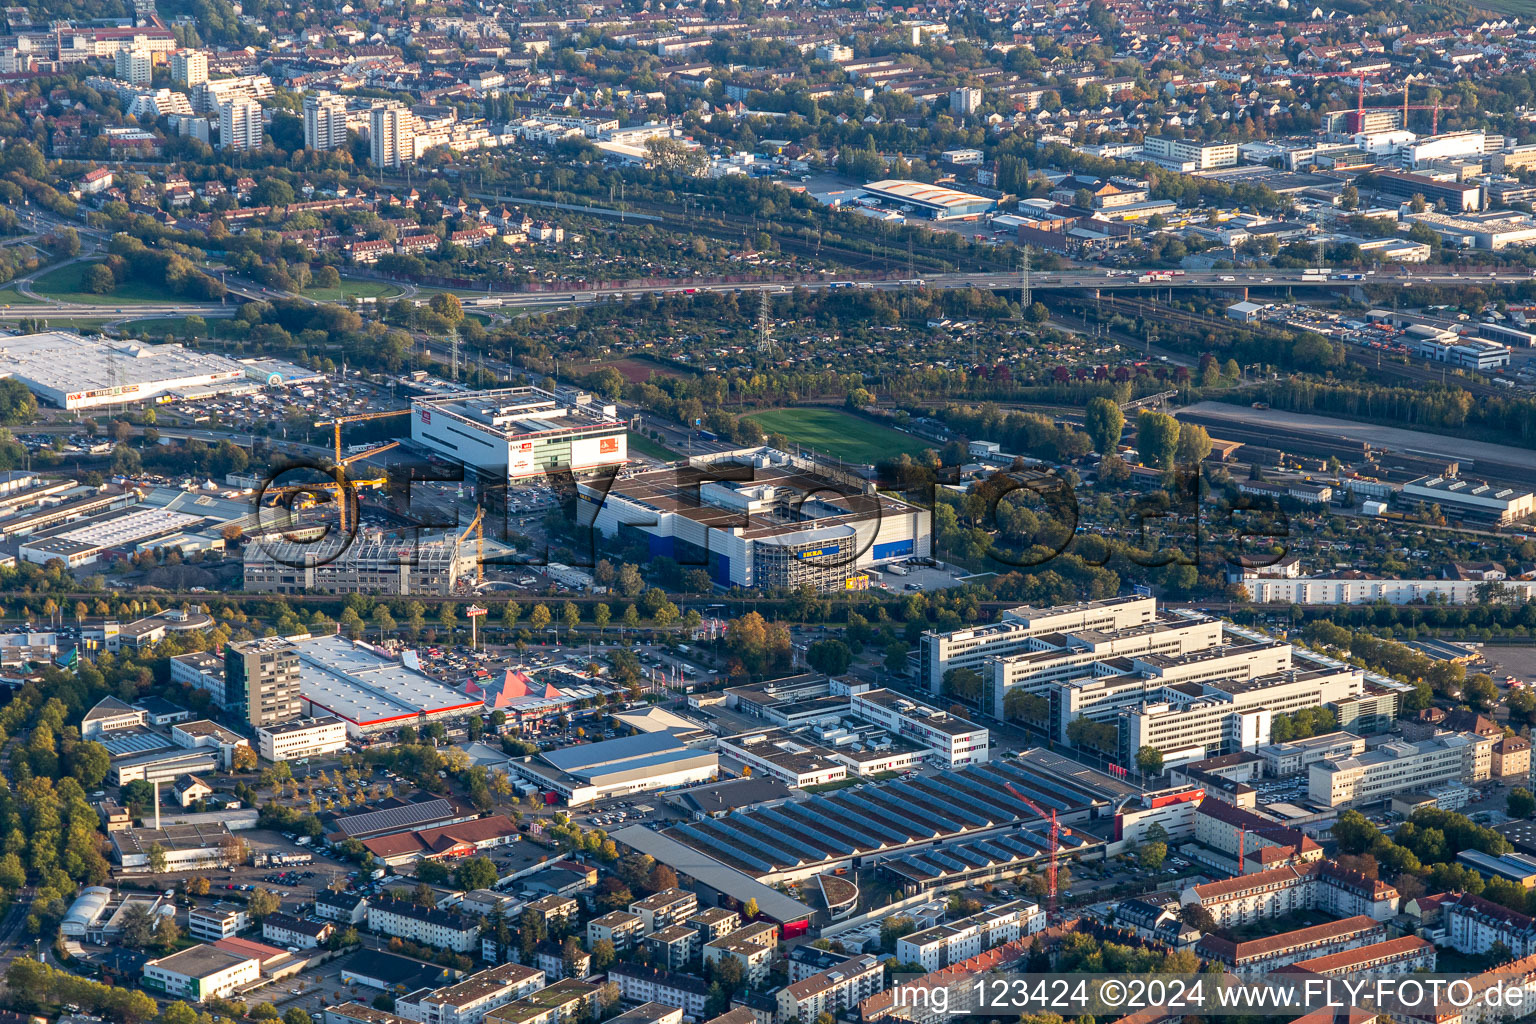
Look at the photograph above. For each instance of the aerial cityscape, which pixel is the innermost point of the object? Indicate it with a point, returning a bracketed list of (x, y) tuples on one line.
[(767, 512)]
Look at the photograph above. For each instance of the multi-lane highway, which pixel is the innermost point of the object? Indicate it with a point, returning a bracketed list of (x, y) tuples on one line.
[(1073, 279)]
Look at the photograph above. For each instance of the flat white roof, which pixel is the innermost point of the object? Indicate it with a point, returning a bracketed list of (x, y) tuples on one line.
[(131, 528), (352, 682), (62, 363)]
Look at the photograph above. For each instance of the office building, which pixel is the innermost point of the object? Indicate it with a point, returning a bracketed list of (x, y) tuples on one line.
[(201, 973), (1189, 154), (303, 738), (1399, 766), (325, 121), (391, 135), (210, 924), (240, 124), (370, 562), (189, 68), (261, 681)]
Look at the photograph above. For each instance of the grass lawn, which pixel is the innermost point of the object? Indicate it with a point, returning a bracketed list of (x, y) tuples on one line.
[(646, 446), (12, 297), (172, 326), (67, 284), (349, 287), (838, 433)]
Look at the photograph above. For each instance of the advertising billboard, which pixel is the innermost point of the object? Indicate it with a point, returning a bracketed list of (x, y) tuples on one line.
[(520, 459), (599, 451)]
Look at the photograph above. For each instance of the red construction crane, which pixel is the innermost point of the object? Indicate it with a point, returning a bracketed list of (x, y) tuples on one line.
[(1054, 848), (1360, 95)]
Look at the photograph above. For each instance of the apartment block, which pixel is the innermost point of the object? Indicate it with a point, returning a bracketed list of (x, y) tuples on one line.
[(189, 68), (939, 947), (427, 925), (620, 928), (668, 907), (642, 984), (1257, 957), (325, 121), (714, 923), (391, 135), (833, 991), (672, 948), (240, 126), (1319, 885), (468, 1001), (754, 947)]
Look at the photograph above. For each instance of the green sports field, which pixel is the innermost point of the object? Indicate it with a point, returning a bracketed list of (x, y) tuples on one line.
[(838, 434), (352, 286)]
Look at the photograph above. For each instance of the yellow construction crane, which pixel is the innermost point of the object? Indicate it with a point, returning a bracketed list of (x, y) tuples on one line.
[(337, 422), (475, 526), (337, 487)]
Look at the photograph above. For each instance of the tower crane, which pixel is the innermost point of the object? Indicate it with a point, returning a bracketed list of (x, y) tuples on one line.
[(336, 423), (1054, 848), (338, 487), (476, 526)]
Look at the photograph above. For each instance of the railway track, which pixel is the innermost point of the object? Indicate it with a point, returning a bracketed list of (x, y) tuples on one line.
[(1392, 366)]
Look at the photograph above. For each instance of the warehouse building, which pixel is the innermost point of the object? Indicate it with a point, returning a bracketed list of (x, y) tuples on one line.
[(185, 846), (369, 691), (936, 202), (518, 433), (71, 372), (1471, 501), (931, 831), (631, 764), (139, 530), (762, 518)]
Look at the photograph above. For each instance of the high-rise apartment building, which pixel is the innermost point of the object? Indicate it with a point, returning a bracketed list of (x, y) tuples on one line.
[(135, 66), (189, 68), (240, 123), (391, 135), (325, 121), (261, 681)]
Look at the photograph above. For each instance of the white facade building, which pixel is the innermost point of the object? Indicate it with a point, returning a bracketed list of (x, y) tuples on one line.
[(325, 121), (308, 737), (240, 124)]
